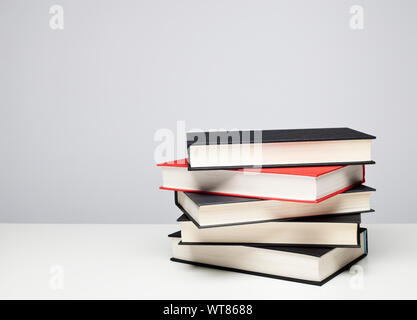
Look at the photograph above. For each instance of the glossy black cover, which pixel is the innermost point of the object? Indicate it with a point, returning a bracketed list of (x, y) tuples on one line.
[(269, 136), (304, 250), (204, 199), (274, 136), (350, 218), (340, 218), (317, 252), (318, 218)]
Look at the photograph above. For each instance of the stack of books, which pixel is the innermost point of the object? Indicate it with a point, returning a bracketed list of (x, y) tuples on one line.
[(284, 204)]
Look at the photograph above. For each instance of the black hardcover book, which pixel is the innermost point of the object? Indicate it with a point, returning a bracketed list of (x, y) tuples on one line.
[(210, 210), (314, 231), (277, 148), (301, 264)]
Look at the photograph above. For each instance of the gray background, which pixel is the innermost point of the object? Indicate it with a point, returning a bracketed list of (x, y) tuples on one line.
[(79, 107)]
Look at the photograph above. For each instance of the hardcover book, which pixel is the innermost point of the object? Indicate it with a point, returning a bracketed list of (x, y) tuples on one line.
[(301, 264), (278, 148), (305, 184), (318, 231), (208, 210)]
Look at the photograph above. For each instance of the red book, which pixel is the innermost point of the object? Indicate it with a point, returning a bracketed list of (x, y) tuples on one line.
[(302, 184)]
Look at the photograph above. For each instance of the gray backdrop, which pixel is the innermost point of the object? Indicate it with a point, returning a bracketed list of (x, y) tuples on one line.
[(79, 107)]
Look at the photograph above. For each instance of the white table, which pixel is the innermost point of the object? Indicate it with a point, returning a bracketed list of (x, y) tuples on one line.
[(40, 261)]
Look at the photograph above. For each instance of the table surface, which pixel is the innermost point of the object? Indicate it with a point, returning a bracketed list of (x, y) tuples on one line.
[(50, 261)]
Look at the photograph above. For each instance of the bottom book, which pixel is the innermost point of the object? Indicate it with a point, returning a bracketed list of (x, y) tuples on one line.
[(301, 264)]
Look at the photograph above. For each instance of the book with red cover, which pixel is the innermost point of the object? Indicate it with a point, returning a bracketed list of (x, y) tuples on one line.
[(303, 184)]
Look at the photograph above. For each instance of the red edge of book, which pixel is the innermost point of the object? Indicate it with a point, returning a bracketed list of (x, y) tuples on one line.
[(269, 198), (297, 171)]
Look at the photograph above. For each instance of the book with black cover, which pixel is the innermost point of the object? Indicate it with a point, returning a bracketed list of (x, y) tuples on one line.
[(324, 263), (277, 148), (211, 210), (314, 231)]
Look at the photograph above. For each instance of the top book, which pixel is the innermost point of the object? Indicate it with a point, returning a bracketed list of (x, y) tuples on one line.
[(277, 148)]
